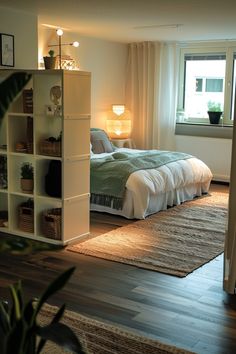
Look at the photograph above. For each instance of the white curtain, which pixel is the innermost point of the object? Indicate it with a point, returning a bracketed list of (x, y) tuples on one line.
[(164, 128), (151, 93), (230, 241), (140, 92)]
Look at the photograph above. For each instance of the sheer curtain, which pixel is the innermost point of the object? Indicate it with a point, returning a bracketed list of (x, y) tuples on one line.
[(140, 91), (151, 93), (164, 127)]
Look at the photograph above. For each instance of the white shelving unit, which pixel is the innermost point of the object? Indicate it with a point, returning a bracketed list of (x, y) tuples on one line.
[(72, 122)]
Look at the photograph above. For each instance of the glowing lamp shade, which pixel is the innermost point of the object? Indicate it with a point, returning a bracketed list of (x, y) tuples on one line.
[(119, 123)]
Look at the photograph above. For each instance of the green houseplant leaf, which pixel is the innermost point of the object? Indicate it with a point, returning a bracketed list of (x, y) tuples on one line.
[(19, 327), (10, 88)]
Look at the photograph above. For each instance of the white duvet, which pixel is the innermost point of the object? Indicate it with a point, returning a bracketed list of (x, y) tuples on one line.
[(152, 190)]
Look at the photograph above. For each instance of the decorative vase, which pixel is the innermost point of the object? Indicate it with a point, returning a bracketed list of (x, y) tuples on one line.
[(214, 117), (49, 62), (27, 185)]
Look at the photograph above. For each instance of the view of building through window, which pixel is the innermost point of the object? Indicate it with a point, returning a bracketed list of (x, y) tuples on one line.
[(204, 83)]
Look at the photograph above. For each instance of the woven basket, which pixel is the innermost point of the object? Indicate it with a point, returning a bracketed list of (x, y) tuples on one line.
[(51, 225), (50, 148), (26, 219)]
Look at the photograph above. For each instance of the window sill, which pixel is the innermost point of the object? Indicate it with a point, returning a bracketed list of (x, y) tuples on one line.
[(205, 130)]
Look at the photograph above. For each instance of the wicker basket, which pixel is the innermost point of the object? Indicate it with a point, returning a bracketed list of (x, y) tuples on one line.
[(28, 101), (51, 225), (50, 148), (26, 219)]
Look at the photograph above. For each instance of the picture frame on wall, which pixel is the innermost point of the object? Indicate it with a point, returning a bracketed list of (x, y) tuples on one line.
[(7, 56)]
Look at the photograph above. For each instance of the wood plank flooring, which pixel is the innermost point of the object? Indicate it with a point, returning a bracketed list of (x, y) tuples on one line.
[(191, 312)]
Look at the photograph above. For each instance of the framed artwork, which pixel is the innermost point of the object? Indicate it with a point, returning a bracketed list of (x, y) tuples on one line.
[(7, 50)]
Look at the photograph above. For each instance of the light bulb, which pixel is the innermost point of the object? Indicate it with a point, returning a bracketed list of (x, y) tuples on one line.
[(75, 44), (59, 32)]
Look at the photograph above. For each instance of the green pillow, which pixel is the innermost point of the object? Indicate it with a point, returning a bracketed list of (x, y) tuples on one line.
[(100, 141)]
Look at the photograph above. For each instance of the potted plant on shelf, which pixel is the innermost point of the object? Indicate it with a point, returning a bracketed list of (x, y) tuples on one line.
[(27, 177), (50, 61), (214, 112)]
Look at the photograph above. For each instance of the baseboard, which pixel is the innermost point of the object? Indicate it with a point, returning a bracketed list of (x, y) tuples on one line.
[(220, 182), (221, 179)]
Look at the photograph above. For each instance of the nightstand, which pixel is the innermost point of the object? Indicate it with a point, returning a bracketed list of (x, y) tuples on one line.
[(123, 143)]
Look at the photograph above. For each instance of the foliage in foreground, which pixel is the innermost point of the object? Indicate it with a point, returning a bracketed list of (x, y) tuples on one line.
[(20, 330)]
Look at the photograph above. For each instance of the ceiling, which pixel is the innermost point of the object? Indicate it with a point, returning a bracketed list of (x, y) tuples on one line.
[(137, 20)]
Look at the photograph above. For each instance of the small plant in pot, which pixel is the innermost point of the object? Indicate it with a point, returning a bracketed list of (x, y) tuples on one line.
[(214, 112), (27, 177), (50, 61)]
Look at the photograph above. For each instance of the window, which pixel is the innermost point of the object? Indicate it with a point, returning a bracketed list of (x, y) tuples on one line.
[(198, 85), (207, 75), (214, 85)]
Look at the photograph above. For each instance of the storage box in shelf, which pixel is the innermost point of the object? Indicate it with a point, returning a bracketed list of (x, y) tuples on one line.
[(51, 223), (50, 148), (26, 219), (3, 217)]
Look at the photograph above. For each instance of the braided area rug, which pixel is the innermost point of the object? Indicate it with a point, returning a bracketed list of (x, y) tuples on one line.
[(175, 241), (102, 338)]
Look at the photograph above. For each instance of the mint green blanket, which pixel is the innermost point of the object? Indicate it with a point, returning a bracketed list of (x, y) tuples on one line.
[(108, 175)]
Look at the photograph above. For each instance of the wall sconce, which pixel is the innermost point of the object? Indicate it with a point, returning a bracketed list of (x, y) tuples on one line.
[(75, 44), (119, 122)]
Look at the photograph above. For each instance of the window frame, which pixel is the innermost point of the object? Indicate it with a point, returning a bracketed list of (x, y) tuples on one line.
[(229, 50)]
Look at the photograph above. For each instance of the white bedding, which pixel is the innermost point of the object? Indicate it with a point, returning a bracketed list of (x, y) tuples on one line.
[(152, 190)]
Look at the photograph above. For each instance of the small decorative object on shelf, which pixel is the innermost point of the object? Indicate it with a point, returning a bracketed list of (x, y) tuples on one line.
[(27, 177), (28, 101), (68, 63), (26, 216), (51, 224), (50, 61), (21, 146), (55, 94), (53, 110)]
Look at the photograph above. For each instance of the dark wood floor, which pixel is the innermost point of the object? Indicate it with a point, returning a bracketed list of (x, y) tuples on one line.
[(190, 312)]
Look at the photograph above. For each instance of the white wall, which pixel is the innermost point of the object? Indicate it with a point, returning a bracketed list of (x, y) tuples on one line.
[(104, 59), (107, 62), (24, 28), (216, 153)]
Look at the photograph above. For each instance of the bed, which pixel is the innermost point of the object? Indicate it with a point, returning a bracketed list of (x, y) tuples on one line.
[(154, 180)]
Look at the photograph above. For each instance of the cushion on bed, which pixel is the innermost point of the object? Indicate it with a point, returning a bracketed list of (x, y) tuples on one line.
[(100, 141)]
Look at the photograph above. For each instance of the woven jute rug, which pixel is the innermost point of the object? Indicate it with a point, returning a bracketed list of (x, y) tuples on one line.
[(176, 241), (102, 338)]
